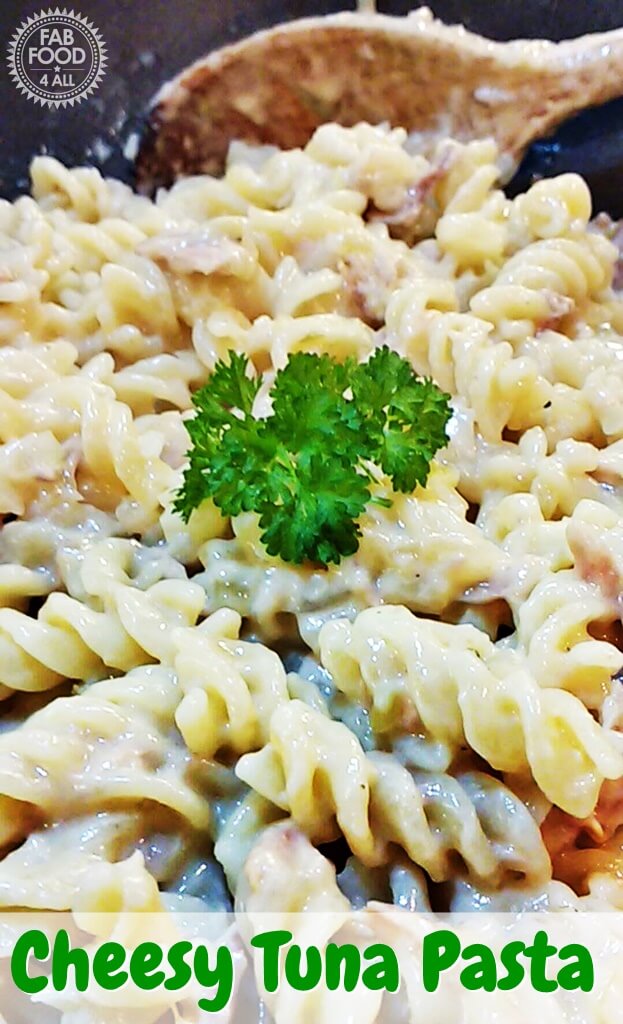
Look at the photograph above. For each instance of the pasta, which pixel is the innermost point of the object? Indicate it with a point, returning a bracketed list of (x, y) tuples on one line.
[(422, 551), (317, 772), (440, 675), (232, 705), (129, 715), (69, 639), (186, 717)]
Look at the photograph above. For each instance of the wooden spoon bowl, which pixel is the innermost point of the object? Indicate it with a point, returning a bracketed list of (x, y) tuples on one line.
[(277, 86)]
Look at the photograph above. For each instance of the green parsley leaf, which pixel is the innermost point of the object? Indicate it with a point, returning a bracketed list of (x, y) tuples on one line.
[(404, 417), (309, 404), (222, 405), (314, 517), (230, 387), (306, 469)]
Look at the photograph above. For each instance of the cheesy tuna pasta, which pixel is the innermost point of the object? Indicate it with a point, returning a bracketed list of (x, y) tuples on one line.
[(443, 706)]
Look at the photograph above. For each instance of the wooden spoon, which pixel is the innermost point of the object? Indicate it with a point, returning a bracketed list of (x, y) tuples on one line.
[(277, 86)]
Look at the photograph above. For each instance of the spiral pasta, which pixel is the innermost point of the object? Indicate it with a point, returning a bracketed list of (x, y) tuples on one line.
[(553, 628), (441, 673), (422, 551), (545, 282), (460, 351), (138, 708), (69, 640), (315, 769), (444, 705), (230, 688), (55, 865)]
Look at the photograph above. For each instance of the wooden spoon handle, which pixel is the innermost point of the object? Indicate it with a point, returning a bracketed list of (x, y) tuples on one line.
[(571, 76)]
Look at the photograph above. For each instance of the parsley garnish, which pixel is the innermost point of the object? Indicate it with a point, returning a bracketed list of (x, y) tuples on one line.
[(306, 470)]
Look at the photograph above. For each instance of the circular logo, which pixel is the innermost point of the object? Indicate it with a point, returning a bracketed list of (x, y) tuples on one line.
[(57, 58)]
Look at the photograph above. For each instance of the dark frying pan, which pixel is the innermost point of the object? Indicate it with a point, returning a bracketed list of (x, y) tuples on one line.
[(148, 41)]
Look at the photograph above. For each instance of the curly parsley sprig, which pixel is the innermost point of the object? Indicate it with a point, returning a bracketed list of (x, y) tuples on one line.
[(306, 470)]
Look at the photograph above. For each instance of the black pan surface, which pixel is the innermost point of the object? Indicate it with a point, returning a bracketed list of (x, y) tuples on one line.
[(148, 41)]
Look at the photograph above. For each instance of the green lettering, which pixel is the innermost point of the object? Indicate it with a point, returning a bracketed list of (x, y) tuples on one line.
[(144, 964), (335, 956), (107, 963), (295, 979), (35, 942), (384, 974), (270, 943), (64, 957), (482, 973), (538, 953), (515, 971), (581, 973), (222, 976), (182, 972), (440, 951)]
